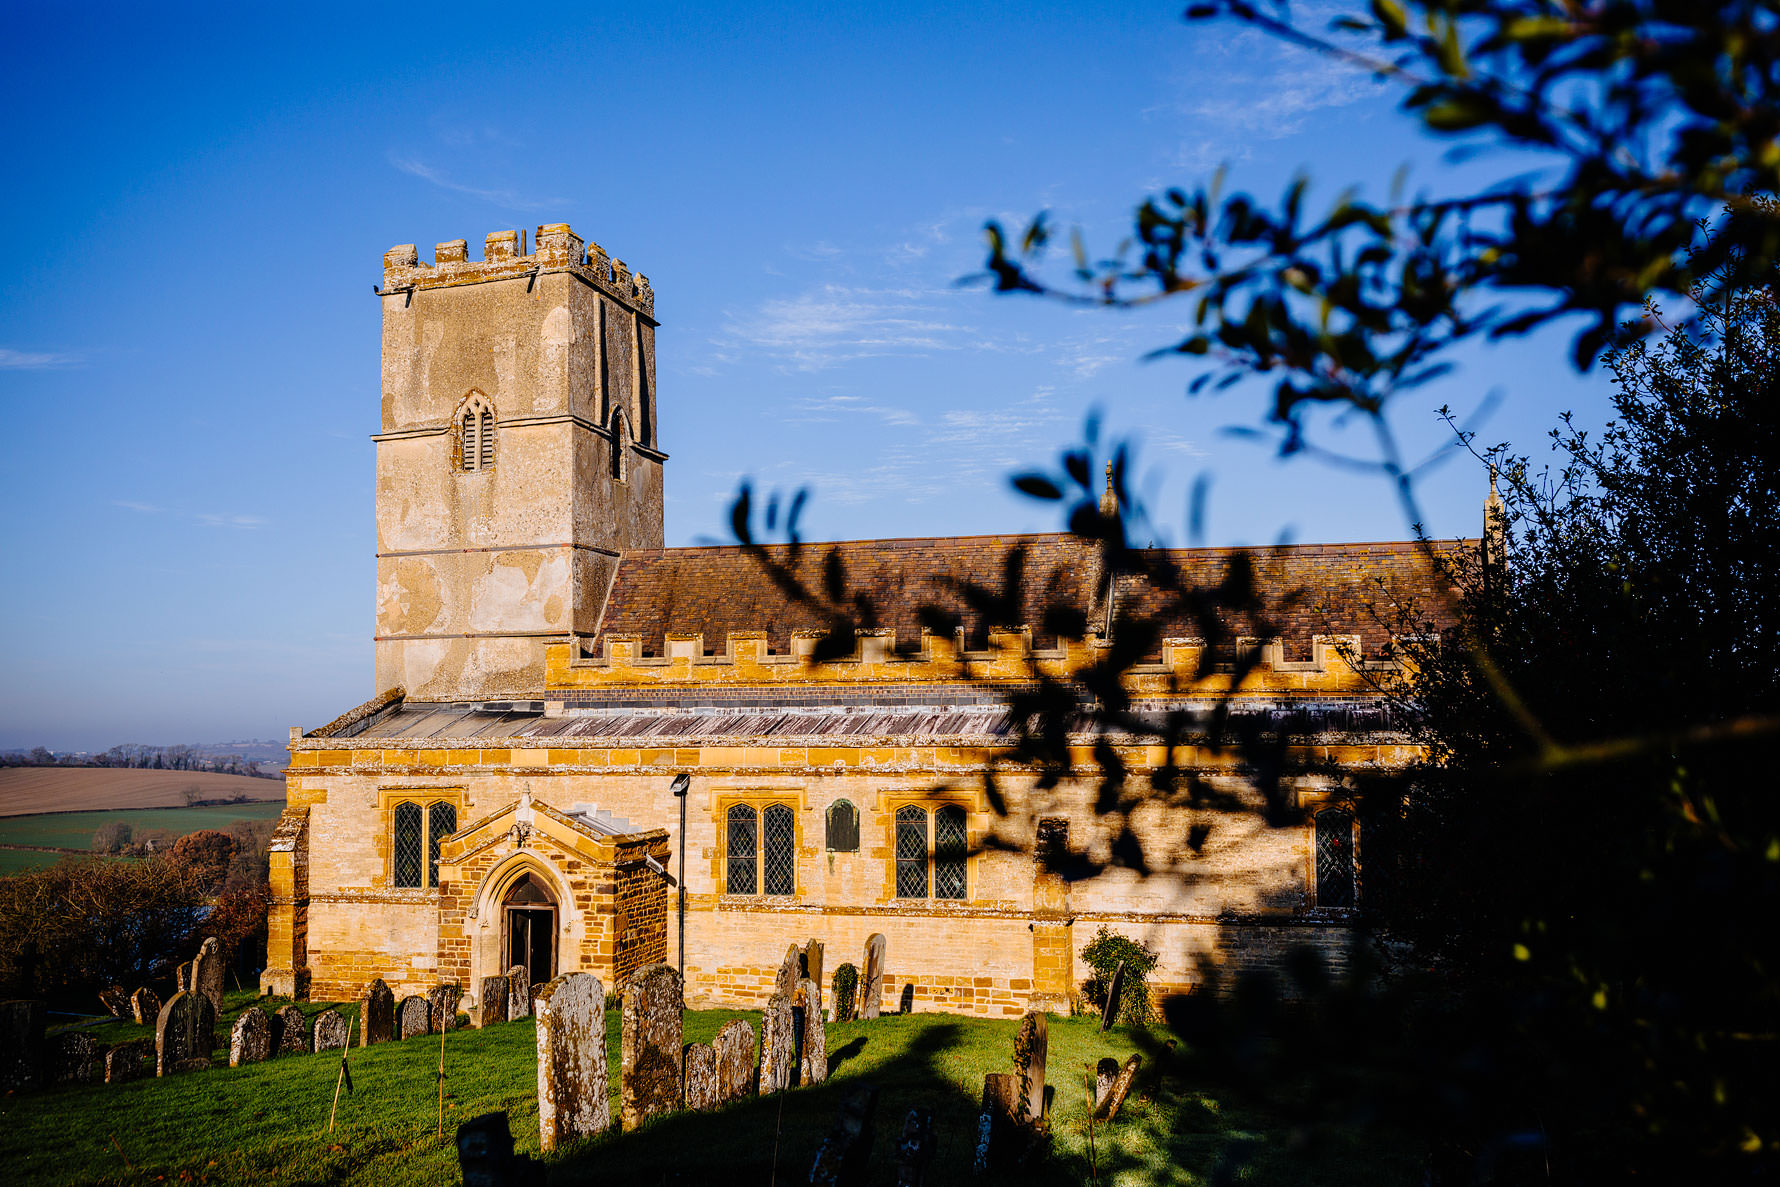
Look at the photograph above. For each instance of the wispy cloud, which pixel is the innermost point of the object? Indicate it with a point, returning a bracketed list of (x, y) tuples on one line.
[(133, 505), (829, 409), (35, 360), (834, 324), (226, 519), (505, 198)]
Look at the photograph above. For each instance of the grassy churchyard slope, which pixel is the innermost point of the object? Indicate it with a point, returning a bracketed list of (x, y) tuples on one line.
[(267, 1123)]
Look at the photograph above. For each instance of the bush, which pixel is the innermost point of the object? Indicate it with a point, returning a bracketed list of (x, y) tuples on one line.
[(1103, 954), (207, 853), (846, 986), (112, 838)]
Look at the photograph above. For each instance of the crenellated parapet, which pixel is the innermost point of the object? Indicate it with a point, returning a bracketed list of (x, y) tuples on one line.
[(504, 257)]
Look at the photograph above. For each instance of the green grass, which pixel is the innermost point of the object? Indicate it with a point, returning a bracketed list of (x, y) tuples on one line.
[(74, 830), (267, 1123)]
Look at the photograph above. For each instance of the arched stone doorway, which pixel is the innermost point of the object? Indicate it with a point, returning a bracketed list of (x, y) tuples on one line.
[(528, 918)]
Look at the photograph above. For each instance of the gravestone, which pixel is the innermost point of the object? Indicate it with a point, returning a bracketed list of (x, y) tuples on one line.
[(182, 978), (441, 1003), (812, 967), (145, 1006), (998, 1125), (290, 1031), (21, 1044), (330, 1031), (914, 1151), (734, 1048), (790, 971), (376, 1014), (778, 1045), (251, 1039), (1031, 1044), (905, 1001), (413, 1017), (812, 1046), (185, 1031), (1114, 989), (844, 1158), (115, 1001), (871, 992), (71, 1058), (698, 1063), (650, 1043), (207, 972), (573, 1095), (485, 1155), (491, 1003), (1106, 1105), (519, 993), (129, 1061)]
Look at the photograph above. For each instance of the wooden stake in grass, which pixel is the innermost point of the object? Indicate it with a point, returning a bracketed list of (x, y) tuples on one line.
[(1093, 1173), (345, 1077), (441, 1082)]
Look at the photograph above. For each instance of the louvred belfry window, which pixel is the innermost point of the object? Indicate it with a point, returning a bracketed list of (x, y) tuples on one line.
[(476, 436), (1335, 858)]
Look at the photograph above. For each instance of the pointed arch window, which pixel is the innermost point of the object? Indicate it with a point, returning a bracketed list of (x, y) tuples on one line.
[(1335, 870), (475, 428), (620, 443)]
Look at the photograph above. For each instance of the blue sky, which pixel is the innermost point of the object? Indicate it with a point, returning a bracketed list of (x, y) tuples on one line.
[(200, 198)]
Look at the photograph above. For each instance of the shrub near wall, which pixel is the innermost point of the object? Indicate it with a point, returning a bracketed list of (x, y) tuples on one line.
[(846, 986), (1103, 954)]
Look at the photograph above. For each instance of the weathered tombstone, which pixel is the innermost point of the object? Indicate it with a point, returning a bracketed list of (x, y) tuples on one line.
[(844, 1157), (915, 1149), (812, 1046), (519, 993), (376, 1014), (1105, 1072), (1107, 1106), (698, 1063), (998, 1124), (21, 1044), (812, 967), (871, 993), (573, 1096), (485, 1155), (207, 972), (441, 1003), (251, 1039), (1030, 1048), (182, 978), (290, 1031), (330, 1031), (790, 971), (778, 1045), (1114, 989), (129, 1061), (491, 1003), (413, 1017), (650, 1043), (115, 1001), (734, 1048), (145, 1006), (185, 1032), (71, 1058), (905, 1001)]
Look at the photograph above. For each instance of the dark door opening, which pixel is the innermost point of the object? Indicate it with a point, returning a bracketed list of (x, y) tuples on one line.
[(531, 930)]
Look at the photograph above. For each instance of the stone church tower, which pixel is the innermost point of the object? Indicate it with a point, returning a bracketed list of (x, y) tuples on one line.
[(517, 457)]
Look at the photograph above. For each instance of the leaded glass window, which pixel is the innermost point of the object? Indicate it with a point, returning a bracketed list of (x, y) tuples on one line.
[(911, 852), (1334, 858), (441, 822), (843, 827), (407, 845), (778, 823), (743, 845), (949, 852)]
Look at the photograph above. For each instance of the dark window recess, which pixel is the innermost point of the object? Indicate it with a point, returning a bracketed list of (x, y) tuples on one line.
[(780, 857), (843, 827), (1334, 858), (743, 845), (950, 850), (911, 852), (441, 822), (408, 851)]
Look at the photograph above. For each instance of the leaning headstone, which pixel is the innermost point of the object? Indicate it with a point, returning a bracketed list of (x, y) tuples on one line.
[(734, 1048), (998, 1123), (251, 1039), (184, 1032), (778, 1045), (812, 968), (871, 993), (1105, 1072), (21, 1044), (915, 1149), (71, 1058), (485, 1155), (413, 1017), (698, 1063), (376, 1014), (1030, 1047), (115, 1001), (129, 1061), (1107, 1106), (844, 1157), (650, 1043), (1114, 989), (519, 993), (182, 978), (441, 1003), (207, 972), (812, 1047), (290, 1031), (572, 1089), (330, 1031), (145, 1007), (491, 1003), (790, 971)]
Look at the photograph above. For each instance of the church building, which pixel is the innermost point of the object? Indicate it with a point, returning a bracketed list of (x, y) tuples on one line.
[(576, 728)]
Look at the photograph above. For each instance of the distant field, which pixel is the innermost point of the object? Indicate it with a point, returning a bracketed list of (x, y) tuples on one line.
[(67, 789), (74, 830)]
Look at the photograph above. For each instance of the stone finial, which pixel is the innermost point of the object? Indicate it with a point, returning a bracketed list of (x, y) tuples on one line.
[(1495, 524), (1109, 499)]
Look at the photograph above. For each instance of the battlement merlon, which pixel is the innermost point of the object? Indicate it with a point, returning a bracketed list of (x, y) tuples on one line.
[(558, 249)]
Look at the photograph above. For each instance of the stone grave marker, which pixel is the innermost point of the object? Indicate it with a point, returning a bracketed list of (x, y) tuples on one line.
[(812, 1035), (251, 1039), (330, 1031), (413, 1017), (185, 1032), (290, 1031), (115, 1001), (812, 967), (72, 1058), (790, 971), (129, 1061), (376, 1014), (998, 1124), (650, 1044), (698, 1063), (778, 1045), (182, 978), (207, 972), (1114, 989), (1106, 1105), (491, 1003), (145, 1006), (485, 1156), (21, 1044), (734, 1047), (573, 1095), (871, 989), (1105, 1072), (519, 993), (905, 1001), (1031, 1044), (442, 1003), (914, 1151), (844, 1158)]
